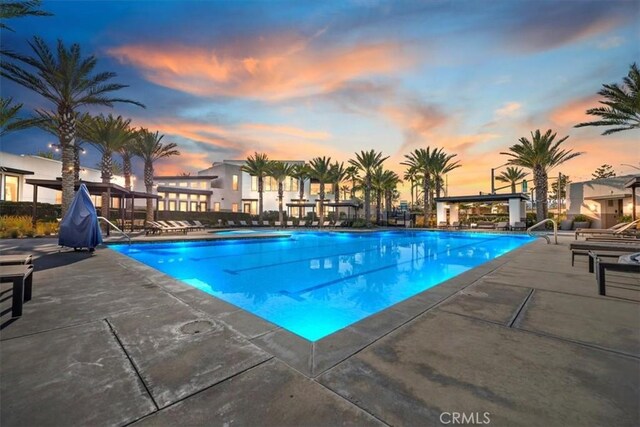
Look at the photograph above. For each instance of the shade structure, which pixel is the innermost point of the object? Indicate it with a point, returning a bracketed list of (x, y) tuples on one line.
[(79, 228)]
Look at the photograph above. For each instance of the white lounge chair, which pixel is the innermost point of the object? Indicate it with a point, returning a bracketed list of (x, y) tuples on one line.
[(616, 230), (230, 223), (289, 223), (255, 223)]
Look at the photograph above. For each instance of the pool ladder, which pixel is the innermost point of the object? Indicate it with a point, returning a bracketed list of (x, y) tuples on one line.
[(115, 227), (545, 236)]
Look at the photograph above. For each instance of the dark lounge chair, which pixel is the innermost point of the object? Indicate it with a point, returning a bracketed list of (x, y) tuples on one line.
[(22, 278), (16, 259), (626, 264)]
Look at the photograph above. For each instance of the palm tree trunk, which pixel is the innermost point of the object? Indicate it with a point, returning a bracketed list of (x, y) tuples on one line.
[(336, 192), (66, 132), (321, 207), (148, 182), (367, 200), (412, 185), (280, 196), (260, 185), (301, 189), (126, 170), (513, 187), (76, 165), (106, 168), (540, 178), (427, 206)]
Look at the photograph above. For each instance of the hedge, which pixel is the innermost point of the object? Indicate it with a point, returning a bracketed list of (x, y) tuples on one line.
[(46, 211)]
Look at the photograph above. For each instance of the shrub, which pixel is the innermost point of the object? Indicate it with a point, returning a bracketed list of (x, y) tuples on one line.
[(581, 218), (626, 218), (359, 223)]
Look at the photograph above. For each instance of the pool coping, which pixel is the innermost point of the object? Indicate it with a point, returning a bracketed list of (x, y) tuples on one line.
[(312, 358)]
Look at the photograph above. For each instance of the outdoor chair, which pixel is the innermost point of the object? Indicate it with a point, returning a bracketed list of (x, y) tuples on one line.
[(455, 225), (16, 259), (165, 226), (22, 278), (486, 225), (338, 224), (602, 249), (243, 224), (277, 224), (197, 225), (289, 223), (502, 225), (255, 223), (326, 224), (314, 224), (230, 223), (617, 229), (625, 264), (266, 223), (443, 224)]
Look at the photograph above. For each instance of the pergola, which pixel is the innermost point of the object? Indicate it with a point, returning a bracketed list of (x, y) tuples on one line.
[(633, 183), (94, 188), (452, 204), (300, 205), (345, 204)]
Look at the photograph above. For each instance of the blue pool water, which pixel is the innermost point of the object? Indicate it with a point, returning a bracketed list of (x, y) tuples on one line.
[(316, 283)]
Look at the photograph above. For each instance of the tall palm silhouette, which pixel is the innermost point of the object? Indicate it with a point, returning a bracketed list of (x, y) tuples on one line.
[(367, 162)]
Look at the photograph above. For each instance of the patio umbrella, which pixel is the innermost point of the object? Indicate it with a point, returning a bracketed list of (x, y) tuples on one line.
[(79, 228)]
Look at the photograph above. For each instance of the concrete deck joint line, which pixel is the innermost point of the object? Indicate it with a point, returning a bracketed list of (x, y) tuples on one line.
[(521, 308), (133, 365), (201, 390)]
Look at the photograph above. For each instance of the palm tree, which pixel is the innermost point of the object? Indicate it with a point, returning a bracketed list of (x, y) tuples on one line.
[(422, 161), (351, 174), (411, 175), (339, 173), (622, 105), (280, 171), (541, 154), (512, 175), (19, 9), (320, 169), (149, 148), (9, 120), (258, 166), (367, 162), (127, 152), (301, 173), (65, 79), (107, 135), (390, 181), (442, 165)]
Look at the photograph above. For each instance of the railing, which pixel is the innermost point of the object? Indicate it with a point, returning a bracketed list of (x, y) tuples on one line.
[(545, 236), (115, 227)]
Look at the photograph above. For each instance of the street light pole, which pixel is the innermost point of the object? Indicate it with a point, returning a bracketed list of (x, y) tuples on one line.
[(493, 187)]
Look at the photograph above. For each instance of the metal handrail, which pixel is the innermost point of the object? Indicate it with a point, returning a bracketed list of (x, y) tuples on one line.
[(546, 237), (115, 227)]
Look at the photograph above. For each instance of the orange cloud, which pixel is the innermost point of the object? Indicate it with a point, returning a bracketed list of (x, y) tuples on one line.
[(283, 69), (574, 112), (185, 162), (286, 130)]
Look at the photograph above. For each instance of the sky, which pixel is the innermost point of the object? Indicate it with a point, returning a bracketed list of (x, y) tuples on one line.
[(298, 79)]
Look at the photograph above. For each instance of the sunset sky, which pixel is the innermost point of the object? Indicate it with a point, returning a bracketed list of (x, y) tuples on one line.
[(302, 79)]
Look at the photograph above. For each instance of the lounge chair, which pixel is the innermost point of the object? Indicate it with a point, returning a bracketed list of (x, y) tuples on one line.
[(626, 264), (199, 224), (266, 223), (22, 278), (185, 224), (195, 225), (338, 224), (502, 225), (443, 224), (255, 224), (455, 225), (486, 225), (277, 224), (173, 226), (314, 224), (583, 248), (16, 259), (289, 223), (230, 223), (326, 224), (243, 224), (615, 230)]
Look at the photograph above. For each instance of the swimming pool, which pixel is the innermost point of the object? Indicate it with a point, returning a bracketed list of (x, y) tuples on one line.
[(316, 283)]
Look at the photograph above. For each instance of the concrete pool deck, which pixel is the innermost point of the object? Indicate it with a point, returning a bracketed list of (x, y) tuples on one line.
[(108, 341)]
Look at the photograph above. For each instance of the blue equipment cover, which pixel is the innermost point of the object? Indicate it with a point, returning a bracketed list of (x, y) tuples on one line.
[(79, 228)]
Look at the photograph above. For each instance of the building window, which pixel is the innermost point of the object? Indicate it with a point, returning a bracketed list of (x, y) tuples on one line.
[(234, 207), (194, 206), (10, 188), (161, 195), (254, 207), (234, 182), (216, 206), (160, 205), (203, 207), (183, 196), (58, 197), (183, 207), (203, 197), (183, 184), (172, 205), (314, 189), (254, 183), (171, 196)]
